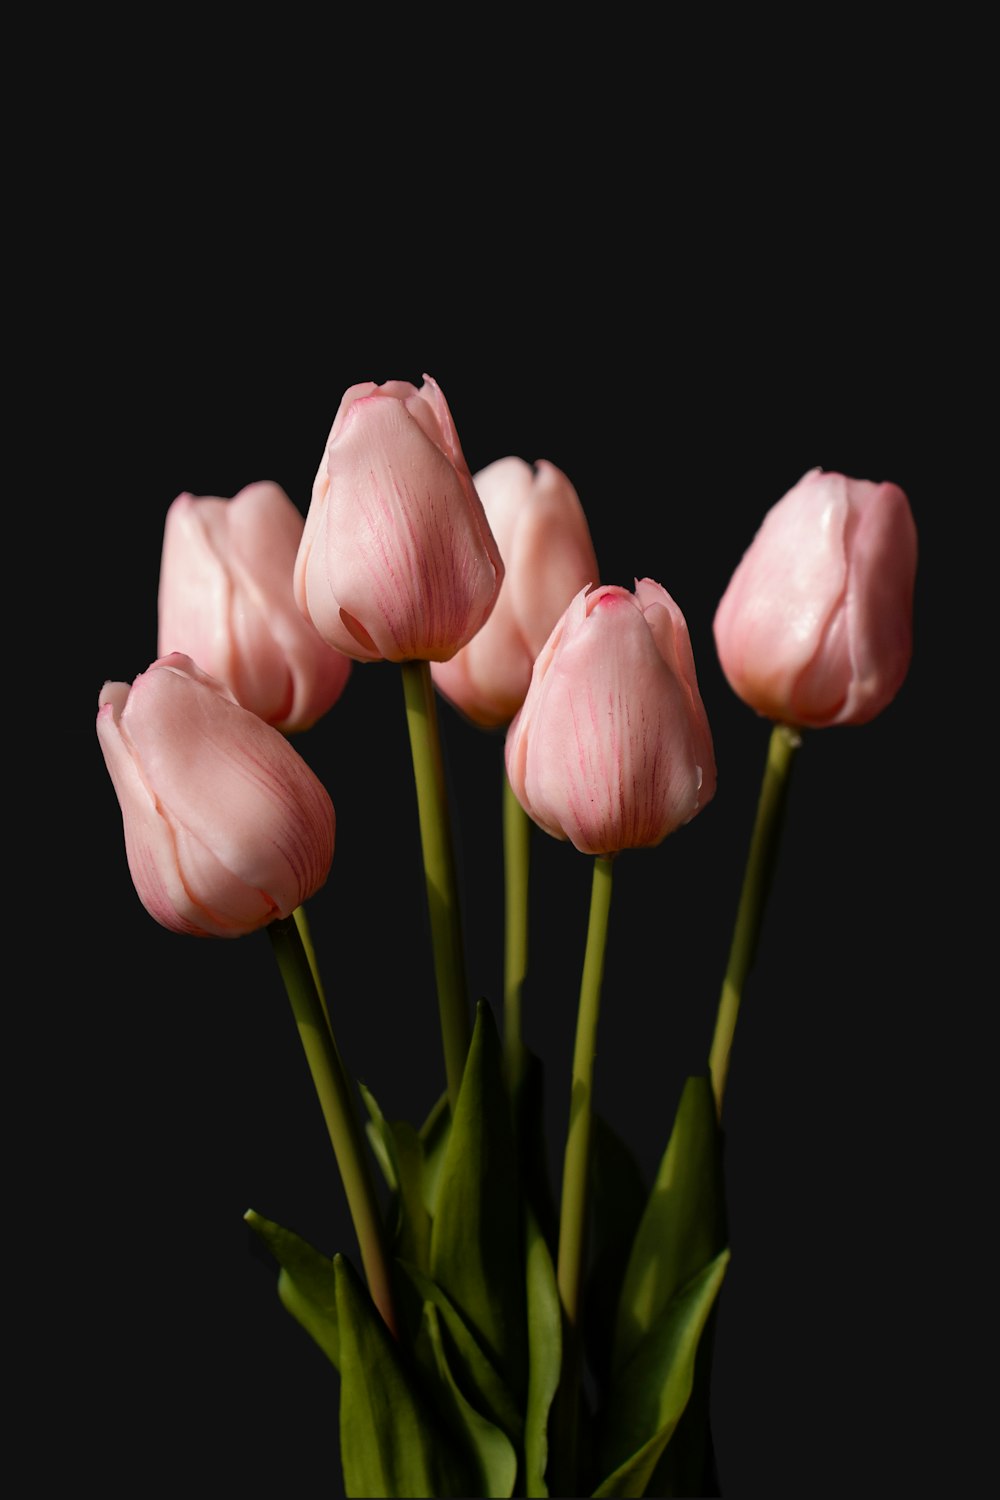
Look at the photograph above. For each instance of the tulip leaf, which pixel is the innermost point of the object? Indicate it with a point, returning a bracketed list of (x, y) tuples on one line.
[(544, 1354), (650, 1393), (618, 1194), (306, 1283), (391, 1443), (379, 1137), (477, 1375), (683, 1223), (493, 1453), (477, 1248), (433, 1139), (398, 1149)]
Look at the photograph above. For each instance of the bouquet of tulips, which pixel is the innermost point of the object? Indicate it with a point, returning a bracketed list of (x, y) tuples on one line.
[(495, 1333)]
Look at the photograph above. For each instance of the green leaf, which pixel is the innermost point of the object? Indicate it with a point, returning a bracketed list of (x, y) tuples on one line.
[(391, 1443), (683, 1224), (532, 1146), (306, 1283), (399, 1151), (477, 1247), (433, 1139), (493, 1453), (650, 1393), (618, 1197), (544, 1354), (481, 1383), (379, 1137)]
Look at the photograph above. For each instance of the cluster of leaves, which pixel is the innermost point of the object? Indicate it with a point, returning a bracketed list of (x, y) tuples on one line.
[(464, 1401)]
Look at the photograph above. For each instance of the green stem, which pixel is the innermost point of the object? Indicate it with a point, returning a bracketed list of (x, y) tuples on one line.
[(439, 870), (756, 883), (516, 857), (302, 923), (336, 1101), (576, 1175)]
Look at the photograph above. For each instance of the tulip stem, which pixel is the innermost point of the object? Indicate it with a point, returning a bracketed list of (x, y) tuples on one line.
[(516, 852), (439, 870), (761, 860), (576, 1177), (339, 1110)]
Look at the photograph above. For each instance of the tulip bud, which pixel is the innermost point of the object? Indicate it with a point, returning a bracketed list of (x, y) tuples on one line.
[(612, 748), (544, 540), (226, 600), (226, 827), (816, 625), (397, 561)]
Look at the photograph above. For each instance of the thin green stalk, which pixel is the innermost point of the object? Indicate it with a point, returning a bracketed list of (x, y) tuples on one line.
[(576, 1178), (757, 876), (342, 1122), (516, 860), (439, 870), (302, 923)]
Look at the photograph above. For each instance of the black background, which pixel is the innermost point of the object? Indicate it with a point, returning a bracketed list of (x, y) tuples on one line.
[(684, 344)]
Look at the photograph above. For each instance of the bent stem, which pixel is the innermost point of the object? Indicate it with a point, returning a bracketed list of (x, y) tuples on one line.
[(439, 870), (576, 1180), (516, 860), (333, 1089), (757, 876)]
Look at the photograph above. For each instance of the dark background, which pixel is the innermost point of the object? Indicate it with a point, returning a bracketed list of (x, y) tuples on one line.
[(685, 345)]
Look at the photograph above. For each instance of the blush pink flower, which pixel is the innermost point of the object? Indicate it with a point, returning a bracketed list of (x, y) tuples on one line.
[(816, 625), (226, 600), (397, 561), (612, 748), (540, 527), (226, 827)]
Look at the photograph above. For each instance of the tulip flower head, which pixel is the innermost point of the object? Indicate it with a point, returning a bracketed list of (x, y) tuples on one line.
[(397, 561), (540, 527), (612, 748), (816, 625), (226, 827), (226, 600)]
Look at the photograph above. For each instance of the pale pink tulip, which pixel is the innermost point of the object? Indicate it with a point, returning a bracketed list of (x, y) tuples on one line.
[(540, 527), (397, 561), (816, 625), (612, 748), (226, 600), (226, 827)]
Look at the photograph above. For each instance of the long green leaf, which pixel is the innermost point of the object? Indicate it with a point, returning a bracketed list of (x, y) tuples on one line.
[(306, 1282), (391, 1443), (399, 1151), (481, 1383), (683, 1224), (433, 1140), (492, 1451), (544, 1354), (651, 1392), (477, 1247)]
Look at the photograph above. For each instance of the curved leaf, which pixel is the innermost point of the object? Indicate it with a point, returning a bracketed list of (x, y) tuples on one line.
[(493, 1452), (481, 1383), (477, 1248), (683, 1224), (306, 1283), (651, 1392), (544, 1354), (391, 1443)]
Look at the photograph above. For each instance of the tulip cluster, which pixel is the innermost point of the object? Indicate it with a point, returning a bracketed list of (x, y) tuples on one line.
[(464, 1351)]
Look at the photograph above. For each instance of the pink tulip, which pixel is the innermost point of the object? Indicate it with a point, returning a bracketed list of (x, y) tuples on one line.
[(816, 625), (612, 747), (226, 600), (544, 540), (397, 561), (226, 827)]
